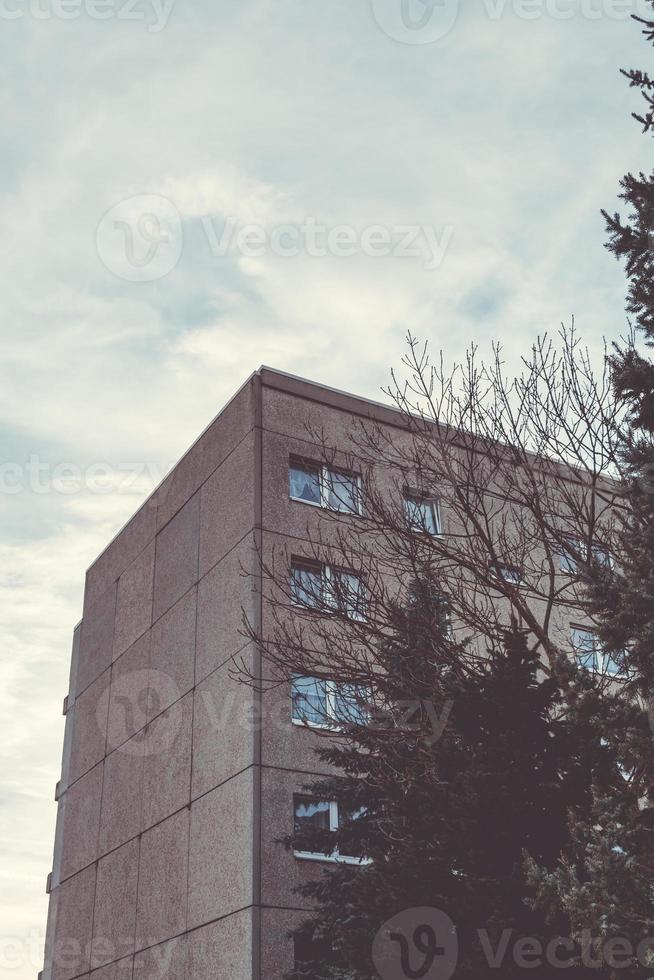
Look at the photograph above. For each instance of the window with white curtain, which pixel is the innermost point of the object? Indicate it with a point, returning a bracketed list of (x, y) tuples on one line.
[(324, 486), (326, 816), (319, 703)]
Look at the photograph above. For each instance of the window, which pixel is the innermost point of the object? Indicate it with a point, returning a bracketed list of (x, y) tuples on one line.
[(325, 704), (315, 585), (347, 702), (321, 486), (345, 592), (342, 491), (590, 655), (309, 698), (422, 512), (568, 558), (508, 573), (306, 584), (304, 483), (602, 556), (574, 552), (321, 816)]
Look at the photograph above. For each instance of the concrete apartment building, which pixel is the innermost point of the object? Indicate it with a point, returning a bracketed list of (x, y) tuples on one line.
[(170, 800)]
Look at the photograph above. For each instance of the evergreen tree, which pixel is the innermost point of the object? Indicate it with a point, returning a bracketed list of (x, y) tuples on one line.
[(445, 822), (623, 596), (604, 880)]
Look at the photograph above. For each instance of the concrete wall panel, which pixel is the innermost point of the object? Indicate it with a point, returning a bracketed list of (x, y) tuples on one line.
[(81, 822), (167, 765), (220, 864), (115, 904), (128, 696), (223, 594), (276, 945), (120, 553), (172, 654), (167, 961), (120, 819), (176, 561), (134, 601), (162, 888), (70, 953), (223, 949), (120, 970), (223, 727), (89, 727), (227, 505), (96, 641)]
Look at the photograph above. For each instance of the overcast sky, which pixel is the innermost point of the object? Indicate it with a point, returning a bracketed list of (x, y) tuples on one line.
[(399, 167)]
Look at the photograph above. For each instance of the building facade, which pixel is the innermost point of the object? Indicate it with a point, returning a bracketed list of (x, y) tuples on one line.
[(177, 777)]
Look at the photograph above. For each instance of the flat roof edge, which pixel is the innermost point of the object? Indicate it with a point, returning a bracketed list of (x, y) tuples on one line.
[(293, 384)]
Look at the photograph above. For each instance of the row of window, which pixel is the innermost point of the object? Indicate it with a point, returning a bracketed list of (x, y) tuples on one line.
[(322, 486), (317, 586), (320, 703), (339, 490)]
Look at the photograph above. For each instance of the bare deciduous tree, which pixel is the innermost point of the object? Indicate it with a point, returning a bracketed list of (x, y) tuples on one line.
[(520, 472)]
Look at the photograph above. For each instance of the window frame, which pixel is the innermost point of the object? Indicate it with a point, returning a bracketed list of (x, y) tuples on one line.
[(299, 564), (601, 658), (334, 857), (568, 564), (303, 722), (355, 612), (332, 722), (324, 474), (328, 596), (498, 568), (410, 494)]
